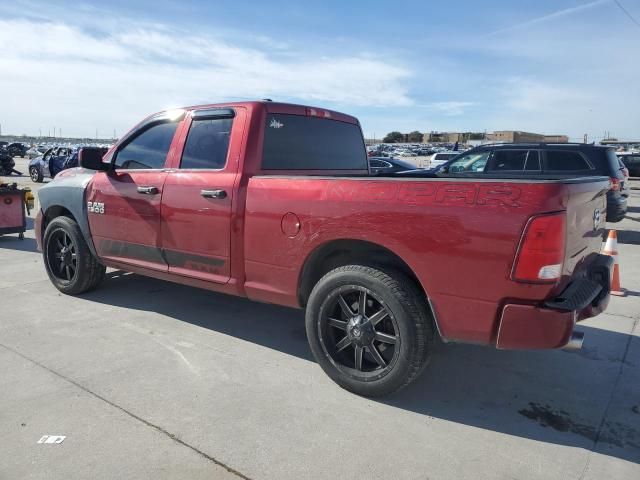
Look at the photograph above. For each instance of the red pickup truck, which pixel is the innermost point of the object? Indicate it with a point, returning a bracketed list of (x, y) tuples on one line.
[(276, 202)]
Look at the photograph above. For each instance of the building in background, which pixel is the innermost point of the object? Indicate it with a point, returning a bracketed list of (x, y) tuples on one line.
[(452, 137), (515, 136)]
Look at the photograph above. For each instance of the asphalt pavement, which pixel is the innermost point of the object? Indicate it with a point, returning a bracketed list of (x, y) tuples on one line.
[(148, 379)]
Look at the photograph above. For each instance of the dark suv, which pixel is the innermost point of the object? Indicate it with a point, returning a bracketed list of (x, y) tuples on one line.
[(632, 162), (547, 160)]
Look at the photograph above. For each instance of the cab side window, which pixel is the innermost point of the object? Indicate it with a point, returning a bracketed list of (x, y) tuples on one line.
[(508, 160), (207, 144), (566, 161), (148, 150)]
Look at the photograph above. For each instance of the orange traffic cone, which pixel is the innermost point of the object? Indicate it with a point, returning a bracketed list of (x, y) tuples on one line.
[(611, 248)]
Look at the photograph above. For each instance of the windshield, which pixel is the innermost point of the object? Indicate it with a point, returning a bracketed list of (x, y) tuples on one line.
[(468, 162)]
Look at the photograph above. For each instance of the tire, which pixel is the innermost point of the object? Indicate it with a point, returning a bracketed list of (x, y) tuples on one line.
[(36, 175), (406, 329), (71, 266)]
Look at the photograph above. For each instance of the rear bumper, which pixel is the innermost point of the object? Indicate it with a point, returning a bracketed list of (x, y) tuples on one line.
[(550, 325), (616, 207)]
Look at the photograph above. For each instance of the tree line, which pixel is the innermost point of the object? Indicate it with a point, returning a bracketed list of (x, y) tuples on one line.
[(399, 137)]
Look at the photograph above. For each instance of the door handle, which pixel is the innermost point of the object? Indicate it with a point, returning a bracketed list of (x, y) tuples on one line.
[(148, 190), (217, 194)]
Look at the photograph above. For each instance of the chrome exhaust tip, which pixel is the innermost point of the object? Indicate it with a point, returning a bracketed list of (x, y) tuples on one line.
[(575, 342)]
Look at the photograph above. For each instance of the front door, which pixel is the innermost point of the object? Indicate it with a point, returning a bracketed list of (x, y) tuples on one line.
[(198, 196), (124, 204)]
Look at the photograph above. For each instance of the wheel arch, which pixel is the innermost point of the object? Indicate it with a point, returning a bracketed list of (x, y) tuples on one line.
[(66, 197), (337, 253)]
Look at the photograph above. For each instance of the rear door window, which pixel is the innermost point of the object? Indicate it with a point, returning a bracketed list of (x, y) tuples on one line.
[(295, 142), (559, 161), (207, 144)]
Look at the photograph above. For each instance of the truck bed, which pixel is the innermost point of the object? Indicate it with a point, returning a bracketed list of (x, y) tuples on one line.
[(459, 235)]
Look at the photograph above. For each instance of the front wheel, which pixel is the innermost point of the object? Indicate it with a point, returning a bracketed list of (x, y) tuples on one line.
[(71, 266), (369, 329)]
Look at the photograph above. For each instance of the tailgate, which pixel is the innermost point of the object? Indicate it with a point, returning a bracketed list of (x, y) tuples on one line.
[(586, 217)]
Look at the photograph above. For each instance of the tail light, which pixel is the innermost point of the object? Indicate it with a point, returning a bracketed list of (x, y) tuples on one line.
[(541, 253), (615, 184)]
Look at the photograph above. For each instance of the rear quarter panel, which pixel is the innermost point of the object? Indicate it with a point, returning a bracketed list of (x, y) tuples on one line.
[(459, 237)]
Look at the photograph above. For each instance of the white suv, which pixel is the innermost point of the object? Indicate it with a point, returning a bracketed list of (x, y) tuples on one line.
[(439, 158)]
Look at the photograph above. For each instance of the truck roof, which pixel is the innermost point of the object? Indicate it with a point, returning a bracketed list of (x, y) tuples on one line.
[(282, 108)]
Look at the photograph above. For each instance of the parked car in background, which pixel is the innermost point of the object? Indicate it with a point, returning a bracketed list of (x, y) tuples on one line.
[(17, 149), (34, 152), (406, 153), (559, 159), (440, 158), (51, 163), (380, 165), (631, 161)]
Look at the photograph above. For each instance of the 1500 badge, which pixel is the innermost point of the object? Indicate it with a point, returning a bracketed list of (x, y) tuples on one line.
[(95, 207)]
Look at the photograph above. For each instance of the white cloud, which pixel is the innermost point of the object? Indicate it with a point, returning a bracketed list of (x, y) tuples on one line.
[(82, 81), (451, 108)]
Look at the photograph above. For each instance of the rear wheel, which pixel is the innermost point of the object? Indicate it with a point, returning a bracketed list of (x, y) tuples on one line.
[(71, 266), (369, 329), (35, 174)]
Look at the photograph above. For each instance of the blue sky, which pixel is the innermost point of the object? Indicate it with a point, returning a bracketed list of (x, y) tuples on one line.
[(564, 66)]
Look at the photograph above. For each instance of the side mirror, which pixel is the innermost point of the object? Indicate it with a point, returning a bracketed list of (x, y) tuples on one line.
[(91, 158)]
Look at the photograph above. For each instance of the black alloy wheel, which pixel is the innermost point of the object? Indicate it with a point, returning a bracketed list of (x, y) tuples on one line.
[(62, 256), (70, 264), (369, 328), (358, 332)]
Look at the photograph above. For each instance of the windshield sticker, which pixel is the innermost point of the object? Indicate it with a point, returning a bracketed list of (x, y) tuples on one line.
[(276, 124)]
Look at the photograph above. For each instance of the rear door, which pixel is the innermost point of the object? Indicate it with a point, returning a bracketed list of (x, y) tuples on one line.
[(45, 162), (124, 204), (199, 194)]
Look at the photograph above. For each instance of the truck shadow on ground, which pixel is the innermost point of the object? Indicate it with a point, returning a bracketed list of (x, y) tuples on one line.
[(631, 237), (551, 396)]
